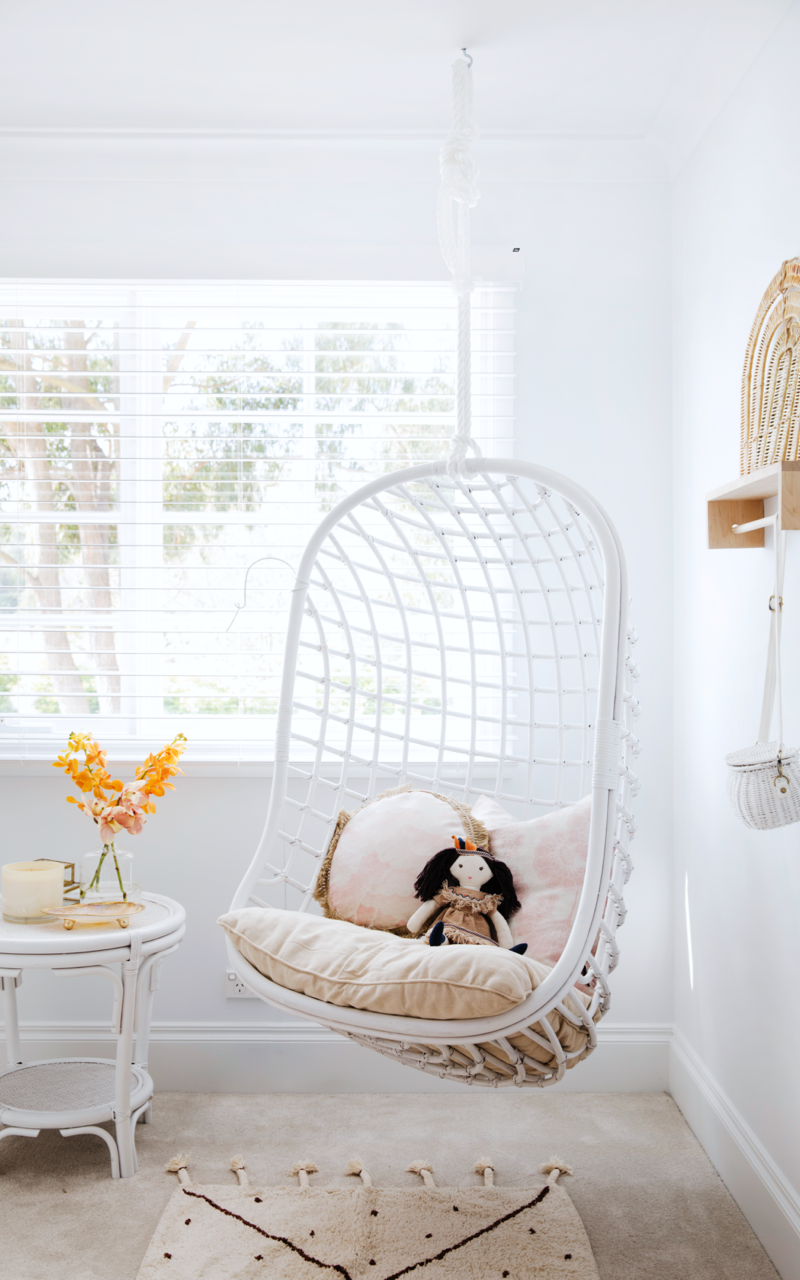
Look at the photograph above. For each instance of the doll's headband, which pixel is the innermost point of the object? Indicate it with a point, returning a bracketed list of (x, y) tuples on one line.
[(468, 846)]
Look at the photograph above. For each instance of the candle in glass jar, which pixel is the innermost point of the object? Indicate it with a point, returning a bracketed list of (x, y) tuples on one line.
[(29, 887)]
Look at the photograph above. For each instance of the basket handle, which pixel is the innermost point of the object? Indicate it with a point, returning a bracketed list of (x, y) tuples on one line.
[(772, 679)]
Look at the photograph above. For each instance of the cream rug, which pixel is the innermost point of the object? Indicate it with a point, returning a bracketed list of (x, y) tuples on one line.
[(483, 1232)]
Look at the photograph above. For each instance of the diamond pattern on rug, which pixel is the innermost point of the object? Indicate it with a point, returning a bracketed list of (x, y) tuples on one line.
[(368, 1233)]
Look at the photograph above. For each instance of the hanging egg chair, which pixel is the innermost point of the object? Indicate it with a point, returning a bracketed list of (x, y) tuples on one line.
[(461, 627)]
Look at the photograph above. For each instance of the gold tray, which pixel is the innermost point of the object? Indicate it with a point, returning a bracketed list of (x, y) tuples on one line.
[(95, 913)]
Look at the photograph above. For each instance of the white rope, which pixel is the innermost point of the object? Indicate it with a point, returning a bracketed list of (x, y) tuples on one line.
[(459, 184), (301, 1171), (180, 1165), (355, 1169), (554, 1168), (487, 1169), (772, 680), (424, 1170)]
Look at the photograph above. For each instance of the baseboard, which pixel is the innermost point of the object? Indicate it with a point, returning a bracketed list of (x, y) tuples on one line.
[(295, 1057), (766, 1198)]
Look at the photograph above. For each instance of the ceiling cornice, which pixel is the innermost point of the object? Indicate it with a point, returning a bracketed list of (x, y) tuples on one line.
[(301, 135)]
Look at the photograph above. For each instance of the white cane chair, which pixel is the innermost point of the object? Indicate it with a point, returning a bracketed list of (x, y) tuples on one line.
[(465, 635)]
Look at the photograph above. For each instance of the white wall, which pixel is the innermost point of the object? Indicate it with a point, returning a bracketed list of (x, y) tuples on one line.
[(737, 217), (608, 245), (593, 400)]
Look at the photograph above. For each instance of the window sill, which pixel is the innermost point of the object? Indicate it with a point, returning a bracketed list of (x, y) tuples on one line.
[(42, 767)]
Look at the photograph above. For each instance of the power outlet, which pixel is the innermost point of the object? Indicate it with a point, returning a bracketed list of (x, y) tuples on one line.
[(235, 988)]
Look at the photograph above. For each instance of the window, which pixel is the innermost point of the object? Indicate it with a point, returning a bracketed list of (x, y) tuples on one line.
[(158, 438)]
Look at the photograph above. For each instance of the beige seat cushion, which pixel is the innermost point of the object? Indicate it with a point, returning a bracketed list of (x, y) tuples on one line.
[(344, 964)]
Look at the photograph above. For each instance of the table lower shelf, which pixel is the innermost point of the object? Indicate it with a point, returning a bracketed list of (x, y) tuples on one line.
[(63, 1092)]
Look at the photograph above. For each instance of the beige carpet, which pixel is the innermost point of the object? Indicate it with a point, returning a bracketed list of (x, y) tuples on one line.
[(652, 1205), (477, 1232)]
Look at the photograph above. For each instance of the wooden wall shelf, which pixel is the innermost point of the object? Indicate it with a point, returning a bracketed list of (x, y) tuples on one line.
[(743, 501)]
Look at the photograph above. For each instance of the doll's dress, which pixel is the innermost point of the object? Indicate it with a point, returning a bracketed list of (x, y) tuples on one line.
[(465, 914)]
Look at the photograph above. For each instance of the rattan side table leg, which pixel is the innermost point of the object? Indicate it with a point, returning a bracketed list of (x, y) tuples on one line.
[(147, 987), (122, 1094), (9, 981), (113, 1150)]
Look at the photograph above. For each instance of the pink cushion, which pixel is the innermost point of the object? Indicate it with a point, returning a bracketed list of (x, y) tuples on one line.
[(492, 814), (381, 852), (547, 857)]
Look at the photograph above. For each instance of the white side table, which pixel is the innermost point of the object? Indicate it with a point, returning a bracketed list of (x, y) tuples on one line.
[(76, 1095)]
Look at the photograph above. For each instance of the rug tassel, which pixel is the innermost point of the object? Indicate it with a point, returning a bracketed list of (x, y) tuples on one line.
[(424, 1170), (302, 1171), (554, 1168), (487, 1169), (237, 1165), (179, 1165), (356, 1168)]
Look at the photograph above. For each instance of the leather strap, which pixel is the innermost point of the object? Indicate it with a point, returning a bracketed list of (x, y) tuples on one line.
[(772, 679)]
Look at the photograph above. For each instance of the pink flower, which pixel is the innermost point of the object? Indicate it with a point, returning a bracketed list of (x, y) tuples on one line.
[(132, 795), (128, 815), (94, 808)]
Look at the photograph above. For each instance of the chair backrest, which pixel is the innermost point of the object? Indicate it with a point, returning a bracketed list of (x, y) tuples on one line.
[(463, 635)]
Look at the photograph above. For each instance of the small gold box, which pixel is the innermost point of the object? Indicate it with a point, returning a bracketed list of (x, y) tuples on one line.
[(71, 883)]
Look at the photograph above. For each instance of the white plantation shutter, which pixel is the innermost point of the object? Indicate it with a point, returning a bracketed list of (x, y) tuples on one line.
[(158, 438)]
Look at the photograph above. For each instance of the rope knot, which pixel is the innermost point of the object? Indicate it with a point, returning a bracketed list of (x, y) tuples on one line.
[(302, 1170), (487, 1169), (179, 1165), (424, 1170), (554, 1168), (356, 1169)]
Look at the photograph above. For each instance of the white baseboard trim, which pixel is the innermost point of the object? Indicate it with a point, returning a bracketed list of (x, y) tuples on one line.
[(281, 1032), (766, 1197), (184, 1033), (300, 1057)]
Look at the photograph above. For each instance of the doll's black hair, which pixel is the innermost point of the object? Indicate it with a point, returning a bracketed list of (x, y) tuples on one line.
[(436, 872)]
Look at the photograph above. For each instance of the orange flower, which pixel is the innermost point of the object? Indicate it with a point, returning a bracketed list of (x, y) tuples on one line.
[(129, 808)]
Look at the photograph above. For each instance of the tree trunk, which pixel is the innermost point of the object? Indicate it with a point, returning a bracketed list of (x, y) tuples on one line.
[(91, 488), (45, 580)]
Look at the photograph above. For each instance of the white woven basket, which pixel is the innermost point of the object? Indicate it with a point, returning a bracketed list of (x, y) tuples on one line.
[(764, 785)]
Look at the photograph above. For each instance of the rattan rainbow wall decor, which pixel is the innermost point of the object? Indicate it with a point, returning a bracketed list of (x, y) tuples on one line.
[(770, 429), (771, 376)]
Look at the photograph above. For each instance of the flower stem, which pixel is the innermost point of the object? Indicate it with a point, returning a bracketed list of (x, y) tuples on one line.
[(119, 875), (95, 880)]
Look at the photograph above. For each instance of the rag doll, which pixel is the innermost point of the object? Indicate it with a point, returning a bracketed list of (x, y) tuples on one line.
[(472, 896)]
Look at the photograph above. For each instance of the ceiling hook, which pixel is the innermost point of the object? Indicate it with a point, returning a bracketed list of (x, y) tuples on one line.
[(467, 56)]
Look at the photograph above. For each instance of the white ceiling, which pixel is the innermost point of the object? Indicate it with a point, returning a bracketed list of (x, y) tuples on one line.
[(587, 68)]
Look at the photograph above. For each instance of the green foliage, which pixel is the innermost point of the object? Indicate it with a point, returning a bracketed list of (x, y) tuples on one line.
[(12, 576), (221, 466), (212, 698), (360, 372), (343, 401), (8, 683), (46, 704)]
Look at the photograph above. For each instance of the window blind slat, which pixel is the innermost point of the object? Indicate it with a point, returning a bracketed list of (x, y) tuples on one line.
[(156, 438)]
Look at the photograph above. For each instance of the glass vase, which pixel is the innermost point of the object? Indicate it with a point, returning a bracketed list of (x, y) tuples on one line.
[(107, 876)]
